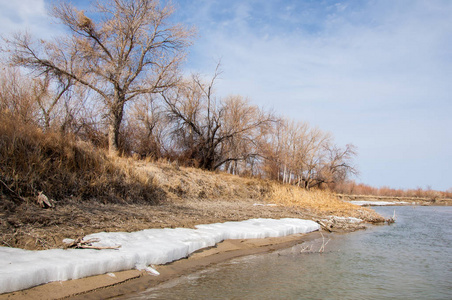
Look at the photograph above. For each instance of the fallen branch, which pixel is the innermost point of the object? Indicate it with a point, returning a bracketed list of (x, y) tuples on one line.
[(306, 249), (324, 226), (322, 248), (79, 243), (392, 219)]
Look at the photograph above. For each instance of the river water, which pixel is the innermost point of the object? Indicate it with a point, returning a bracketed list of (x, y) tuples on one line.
[(411, 259)]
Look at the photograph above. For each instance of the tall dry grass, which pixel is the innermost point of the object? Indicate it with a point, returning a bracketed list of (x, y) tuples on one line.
[(63, 167), (185, 183), (190, 183), (319, 202)]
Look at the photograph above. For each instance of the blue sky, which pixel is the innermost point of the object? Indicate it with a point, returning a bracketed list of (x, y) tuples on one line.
[(374, 73)]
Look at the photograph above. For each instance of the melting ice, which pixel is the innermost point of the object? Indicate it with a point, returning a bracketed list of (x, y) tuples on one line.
[(21, 269)]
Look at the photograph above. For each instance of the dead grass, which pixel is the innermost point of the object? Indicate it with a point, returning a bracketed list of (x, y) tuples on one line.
[(181, 183), (319, 202), (63, 167), (93, 192), (191, 183)]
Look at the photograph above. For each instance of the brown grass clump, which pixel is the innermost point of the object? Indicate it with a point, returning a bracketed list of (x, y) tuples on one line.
[(185, 183), (319, 202), (63, 167)]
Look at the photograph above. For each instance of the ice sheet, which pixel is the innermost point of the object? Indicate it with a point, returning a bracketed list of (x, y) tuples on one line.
[(21, 269)]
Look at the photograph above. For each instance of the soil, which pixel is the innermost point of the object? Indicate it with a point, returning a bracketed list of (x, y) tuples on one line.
[(34, 228)]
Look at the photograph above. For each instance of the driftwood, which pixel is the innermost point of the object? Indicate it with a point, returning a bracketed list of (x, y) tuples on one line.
[(392, 219), (43, 201), (79, 243), (322, 248), (339, 224), (308, 248), (324, 226)]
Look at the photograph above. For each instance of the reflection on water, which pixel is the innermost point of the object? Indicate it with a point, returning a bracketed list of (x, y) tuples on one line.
[(411, 259)]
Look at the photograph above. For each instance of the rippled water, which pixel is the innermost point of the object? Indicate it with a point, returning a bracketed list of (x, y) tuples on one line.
[(411, 259)]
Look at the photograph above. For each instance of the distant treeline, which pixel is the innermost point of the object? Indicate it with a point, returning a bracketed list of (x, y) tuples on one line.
[(353, 188)]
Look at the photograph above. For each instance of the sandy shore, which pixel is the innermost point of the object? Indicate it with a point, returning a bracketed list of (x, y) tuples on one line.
[(131, 281)]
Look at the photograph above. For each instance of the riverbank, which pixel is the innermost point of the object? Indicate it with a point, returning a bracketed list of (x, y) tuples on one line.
[(188, 197), (33, 228), (67, 190), (127, 282), (205, 245), (373, 200)]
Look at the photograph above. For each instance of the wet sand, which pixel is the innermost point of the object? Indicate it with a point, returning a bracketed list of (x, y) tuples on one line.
[(132, 281)]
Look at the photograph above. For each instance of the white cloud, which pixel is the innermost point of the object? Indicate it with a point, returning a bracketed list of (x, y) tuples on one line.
[(20, 15), (374, 74)]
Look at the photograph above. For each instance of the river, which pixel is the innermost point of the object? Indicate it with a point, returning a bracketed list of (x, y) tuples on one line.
[(410, 259)]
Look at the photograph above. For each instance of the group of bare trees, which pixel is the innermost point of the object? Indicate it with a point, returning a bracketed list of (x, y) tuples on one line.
[(115, 80), (213, 132), (305, 156)]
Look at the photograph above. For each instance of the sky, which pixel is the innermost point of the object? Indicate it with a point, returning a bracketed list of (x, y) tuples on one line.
[(373, 73)]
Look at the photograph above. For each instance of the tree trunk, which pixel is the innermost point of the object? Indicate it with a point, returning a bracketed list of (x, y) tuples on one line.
[(116, 114), (46, 121)]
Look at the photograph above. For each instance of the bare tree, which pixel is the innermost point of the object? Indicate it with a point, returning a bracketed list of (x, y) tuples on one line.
[(48, 93), (210, 131), (126, 50), (147, 126), (338, 166), (314, 156), (298, 154), (286, 151), (16, 96), (244, 127)]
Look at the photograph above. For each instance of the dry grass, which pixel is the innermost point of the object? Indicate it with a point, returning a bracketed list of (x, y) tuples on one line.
[(319, 202), (63, 167), (94, 192), (182, 183)]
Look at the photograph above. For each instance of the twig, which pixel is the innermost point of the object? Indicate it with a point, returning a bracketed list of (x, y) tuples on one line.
[(43, 200), (6, 244), (392, 219), (306, 249), (322, 248), (79, 243)]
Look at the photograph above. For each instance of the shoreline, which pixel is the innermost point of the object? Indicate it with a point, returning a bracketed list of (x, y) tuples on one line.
[(396, 200), (132, 281)]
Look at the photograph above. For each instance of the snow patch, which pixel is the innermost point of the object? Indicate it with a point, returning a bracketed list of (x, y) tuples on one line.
[(344, 219), (377, 203), (21, 269)]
